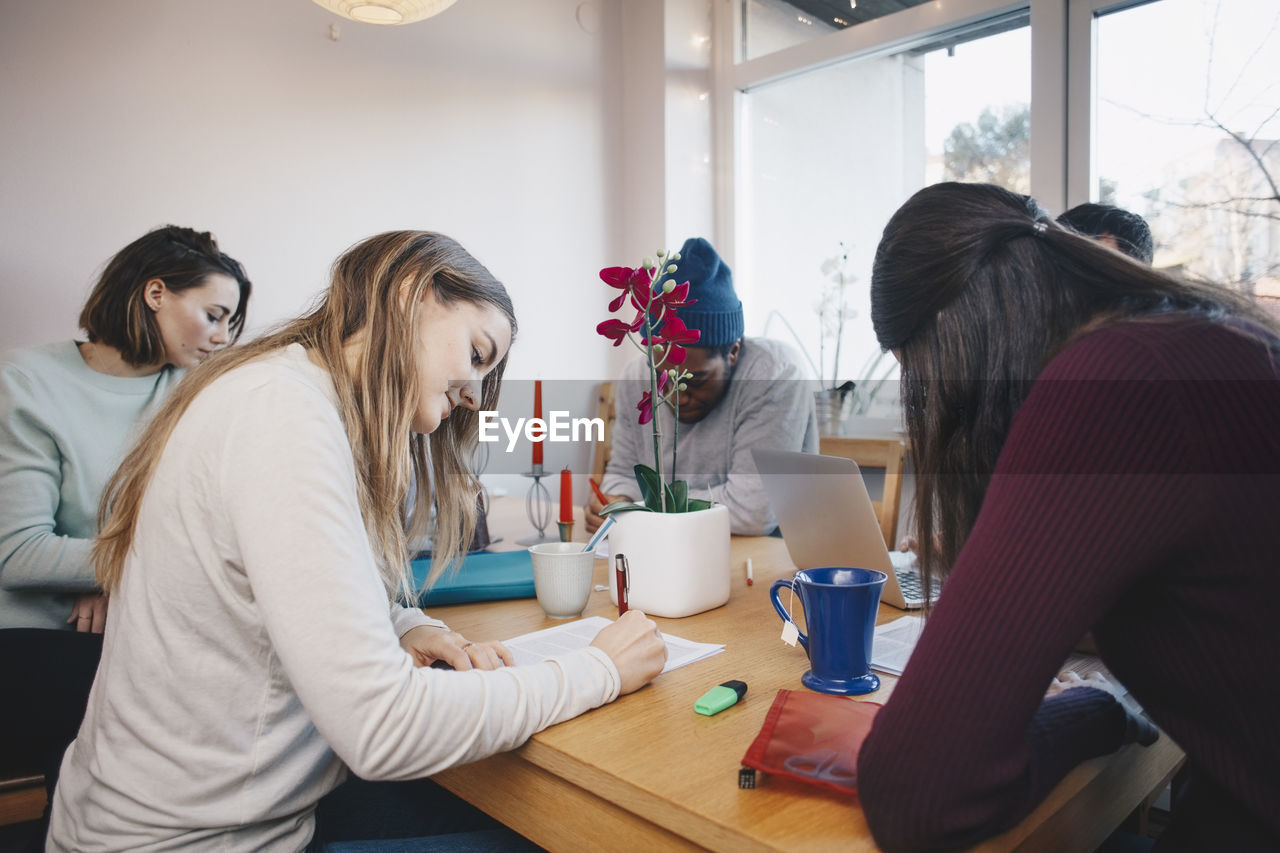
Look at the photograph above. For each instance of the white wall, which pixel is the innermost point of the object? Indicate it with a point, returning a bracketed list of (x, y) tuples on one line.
[(495, 122)]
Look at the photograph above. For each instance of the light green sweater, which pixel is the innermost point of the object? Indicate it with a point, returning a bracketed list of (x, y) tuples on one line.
[(64, 428)]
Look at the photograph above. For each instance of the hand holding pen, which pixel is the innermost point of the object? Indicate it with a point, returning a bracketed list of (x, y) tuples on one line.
[(636, 648), (597, 501)]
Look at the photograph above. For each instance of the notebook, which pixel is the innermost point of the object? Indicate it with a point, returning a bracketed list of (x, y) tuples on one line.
[(826, 519), (483, 576)]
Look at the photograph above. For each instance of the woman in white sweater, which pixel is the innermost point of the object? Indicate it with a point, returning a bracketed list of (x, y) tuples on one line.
[(255, 553)]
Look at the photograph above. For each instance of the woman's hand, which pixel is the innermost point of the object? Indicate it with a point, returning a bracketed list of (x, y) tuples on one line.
[(1137, 727), (89, 613), (427, 644), (1067, 680), (635, 647)]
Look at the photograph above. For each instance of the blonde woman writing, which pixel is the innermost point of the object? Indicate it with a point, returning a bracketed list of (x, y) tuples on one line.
[(253, 546)]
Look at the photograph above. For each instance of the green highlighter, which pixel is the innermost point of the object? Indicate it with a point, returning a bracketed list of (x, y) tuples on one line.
[(720, 697)]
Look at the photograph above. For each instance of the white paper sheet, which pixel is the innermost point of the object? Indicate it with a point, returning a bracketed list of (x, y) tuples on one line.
[(893, 644), (539, 645)]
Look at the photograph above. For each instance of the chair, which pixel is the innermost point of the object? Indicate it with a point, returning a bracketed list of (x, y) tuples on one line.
[(604, 411), (886, 453), (22, 799)]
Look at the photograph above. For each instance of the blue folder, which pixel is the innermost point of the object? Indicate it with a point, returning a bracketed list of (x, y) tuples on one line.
[(483, 576)]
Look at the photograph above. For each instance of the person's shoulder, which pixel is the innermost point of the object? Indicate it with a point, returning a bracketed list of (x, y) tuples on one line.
[(41, 366), (635, 369), (285, 380), (39, 358), (771, 358), (1169, 346)]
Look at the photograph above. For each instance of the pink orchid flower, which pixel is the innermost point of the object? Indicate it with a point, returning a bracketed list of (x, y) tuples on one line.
[(674, 331), (679, 296), (646, 402), (626, 279), (615, 330)]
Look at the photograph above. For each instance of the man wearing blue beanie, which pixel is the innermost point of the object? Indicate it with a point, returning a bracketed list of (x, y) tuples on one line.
[(744, 393), (1112, 226)]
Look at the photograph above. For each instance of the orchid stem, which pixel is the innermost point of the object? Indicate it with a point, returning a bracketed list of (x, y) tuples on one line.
[(653, 396)]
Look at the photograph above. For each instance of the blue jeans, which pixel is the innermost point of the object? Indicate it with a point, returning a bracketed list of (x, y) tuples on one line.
[(480, 841), (406, 817)]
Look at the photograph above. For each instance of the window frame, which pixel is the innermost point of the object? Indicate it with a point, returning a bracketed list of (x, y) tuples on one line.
[(1063, 63)]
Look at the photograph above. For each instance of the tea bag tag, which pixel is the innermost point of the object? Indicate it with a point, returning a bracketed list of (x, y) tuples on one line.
[(790, 633)]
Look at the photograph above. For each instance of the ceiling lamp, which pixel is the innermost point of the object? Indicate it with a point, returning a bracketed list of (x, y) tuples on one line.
[(386, 12)]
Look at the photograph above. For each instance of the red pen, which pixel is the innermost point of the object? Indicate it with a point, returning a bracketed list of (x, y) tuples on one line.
[(596, 489), (622, 579)]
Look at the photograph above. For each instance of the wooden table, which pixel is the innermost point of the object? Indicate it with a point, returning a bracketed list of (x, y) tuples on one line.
[(646, 772)]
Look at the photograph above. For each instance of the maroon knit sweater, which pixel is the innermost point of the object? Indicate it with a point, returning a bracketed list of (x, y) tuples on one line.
[(1137, 496)]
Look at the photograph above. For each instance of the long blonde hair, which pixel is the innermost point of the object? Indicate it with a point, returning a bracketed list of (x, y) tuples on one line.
[(377, 289)]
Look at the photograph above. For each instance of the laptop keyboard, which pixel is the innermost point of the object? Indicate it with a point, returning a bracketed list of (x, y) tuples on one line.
[(912, 587)]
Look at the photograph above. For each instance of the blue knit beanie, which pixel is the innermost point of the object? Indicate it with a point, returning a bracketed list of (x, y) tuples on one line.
[(718, 311)]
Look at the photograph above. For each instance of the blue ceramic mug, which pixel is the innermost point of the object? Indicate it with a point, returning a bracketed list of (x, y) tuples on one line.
[(840, 612)]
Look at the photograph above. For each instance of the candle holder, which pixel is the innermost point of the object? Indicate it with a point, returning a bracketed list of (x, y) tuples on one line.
[(566, 530), (537, 506)]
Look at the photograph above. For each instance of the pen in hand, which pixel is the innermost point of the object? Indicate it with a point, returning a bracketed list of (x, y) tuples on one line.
[(595, 488)]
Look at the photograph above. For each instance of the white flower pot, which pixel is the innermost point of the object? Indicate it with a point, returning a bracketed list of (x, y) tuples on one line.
[(678, 561)]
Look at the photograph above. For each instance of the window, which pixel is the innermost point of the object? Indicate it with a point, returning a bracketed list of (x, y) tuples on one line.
[(828, 155), (1199, 154)]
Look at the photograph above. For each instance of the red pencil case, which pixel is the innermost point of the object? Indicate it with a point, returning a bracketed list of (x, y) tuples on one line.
[(812, 738)]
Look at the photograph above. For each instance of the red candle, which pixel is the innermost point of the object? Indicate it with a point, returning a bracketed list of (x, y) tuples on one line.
[(566, 495), (537, 413)]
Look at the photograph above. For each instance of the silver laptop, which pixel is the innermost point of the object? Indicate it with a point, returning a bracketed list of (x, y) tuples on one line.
[(827, 519)]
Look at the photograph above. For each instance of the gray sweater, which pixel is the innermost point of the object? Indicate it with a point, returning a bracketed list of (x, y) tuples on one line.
[(769, 404)]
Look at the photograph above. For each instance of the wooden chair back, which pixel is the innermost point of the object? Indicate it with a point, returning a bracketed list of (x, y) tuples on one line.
[(22, 799), (886, 453), (604, 411)]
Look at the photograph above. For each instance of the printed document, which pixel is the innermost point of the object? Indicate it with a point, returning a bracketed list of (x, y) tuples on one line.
[(539, 645), (893, 644)]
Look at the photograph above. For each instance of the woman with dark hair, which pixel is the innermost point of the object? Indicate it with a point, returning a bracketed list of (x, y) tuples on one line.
[(68, 411), (264, 636), (1095, 450)]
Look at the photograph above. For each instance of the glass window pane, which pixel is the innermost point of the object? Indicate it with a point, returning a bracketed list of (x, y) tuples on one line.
[(1197, 155), (829, 155)]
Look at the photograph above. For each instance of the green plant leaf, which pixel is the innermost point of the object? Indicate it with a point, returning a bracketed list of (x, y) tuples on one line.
[(679, 491), (623, 505), (697, 504), (650, 487)]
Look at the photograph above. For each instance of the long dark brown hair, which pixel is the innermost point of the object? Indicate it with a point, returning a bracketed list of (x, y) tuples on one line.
[(377, 289), (976, 288)]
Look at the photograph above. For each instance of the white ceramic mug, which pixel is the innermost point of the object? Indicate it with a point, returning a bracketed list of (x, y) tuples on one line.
[(562, 577)]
